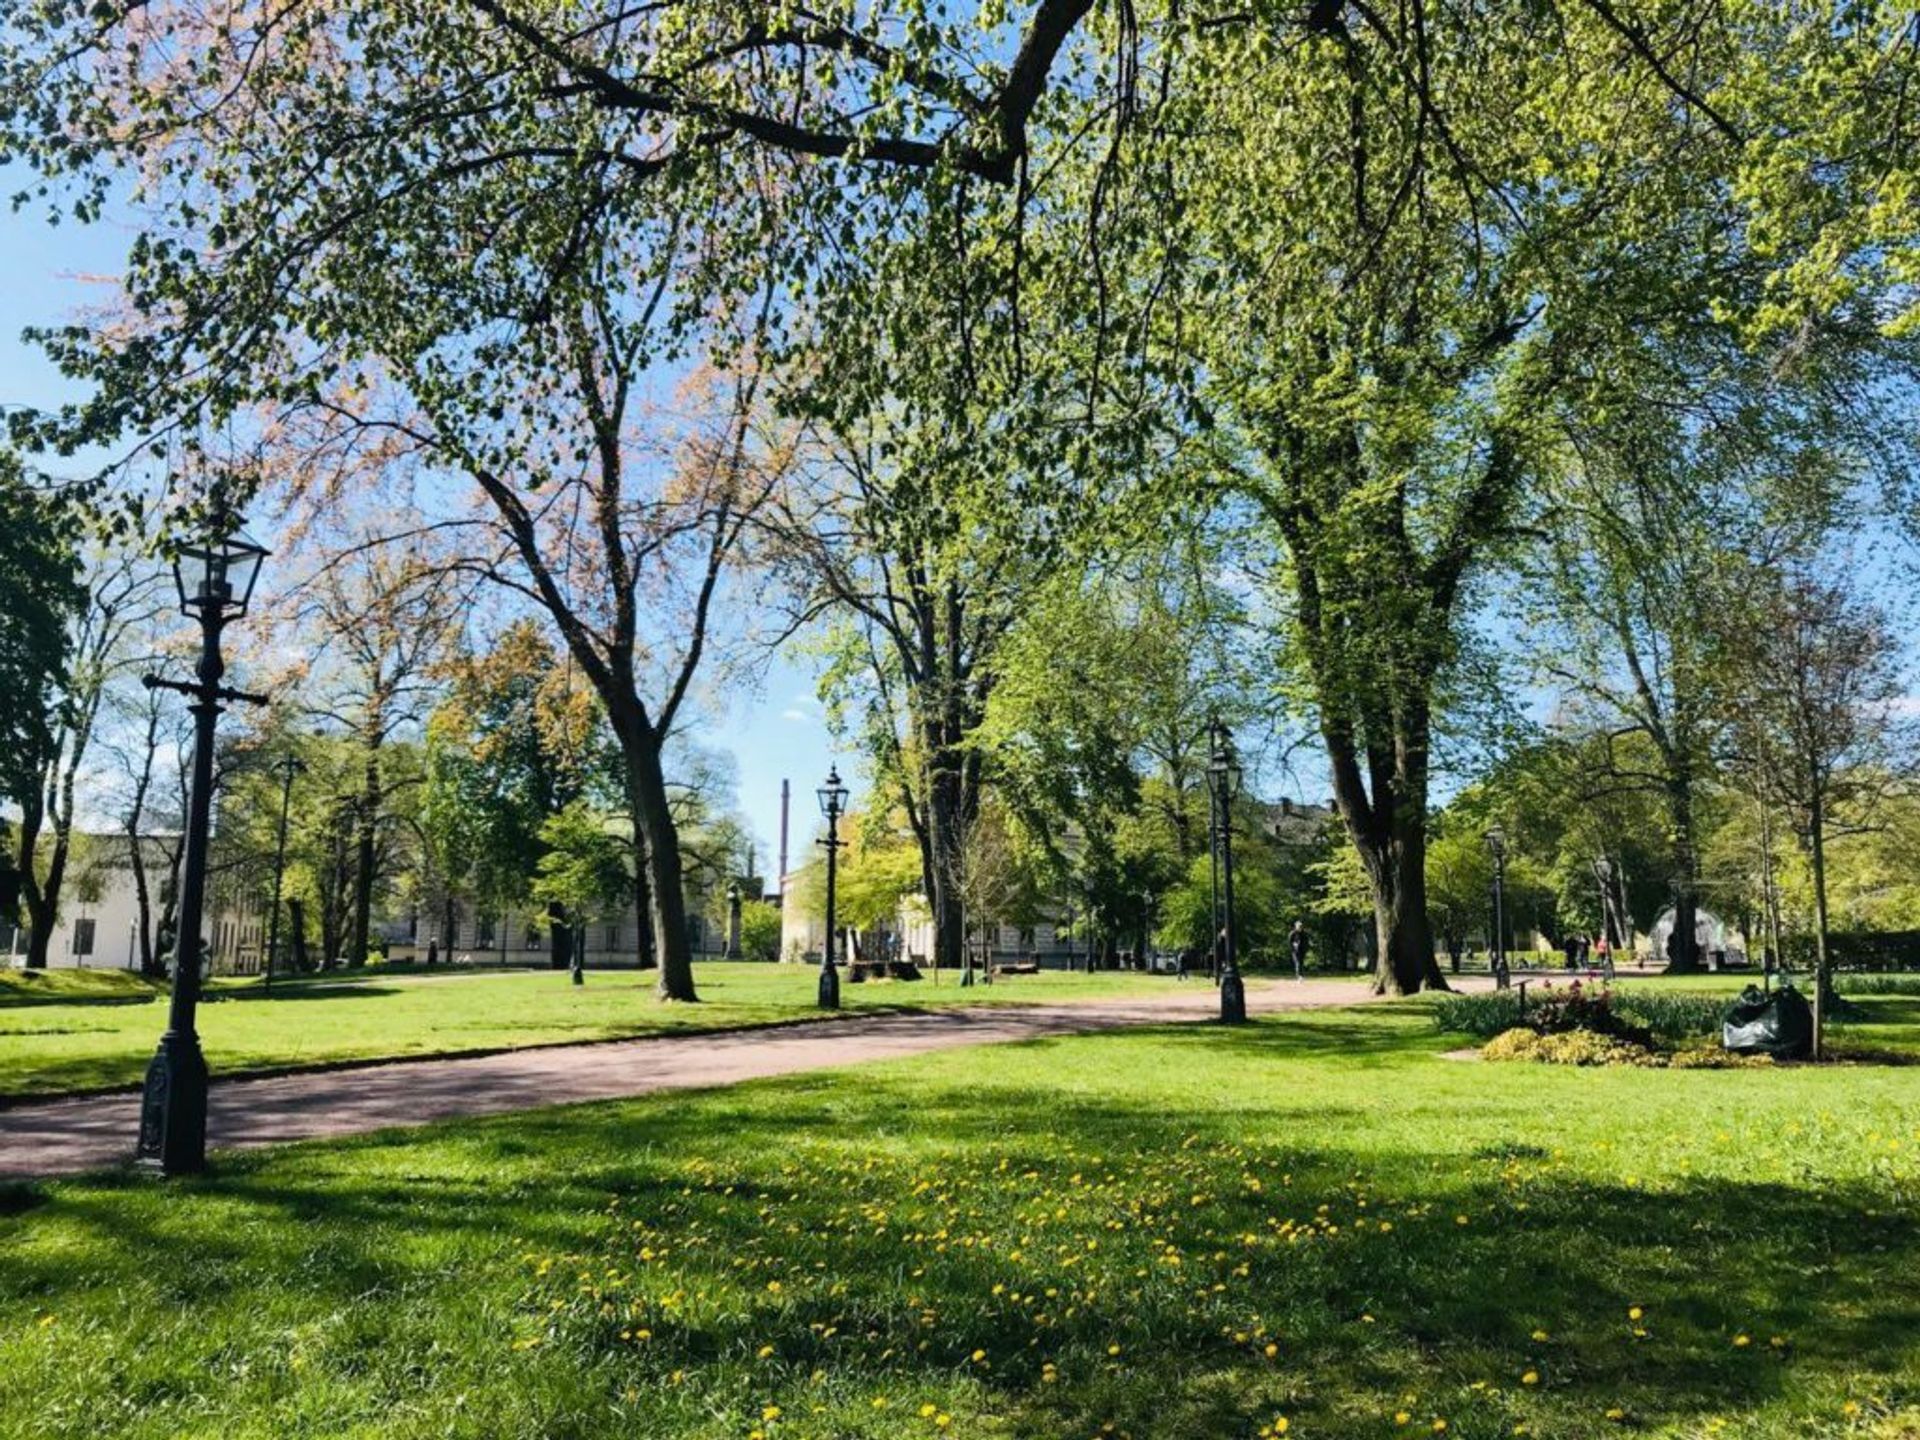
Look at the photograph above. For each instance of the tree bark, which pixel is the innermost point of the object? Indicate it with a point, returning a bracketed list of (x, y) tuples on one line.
[(297, 928), (1388, 828), (1822, 968), (659, 864), (366, 850), (560, 933), (1685, 958)]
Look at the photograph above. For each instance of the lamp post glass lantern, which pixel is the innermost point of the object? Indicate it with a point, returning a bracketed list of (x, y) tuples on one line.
[(833, 804), (1223, 784), (215, 576)]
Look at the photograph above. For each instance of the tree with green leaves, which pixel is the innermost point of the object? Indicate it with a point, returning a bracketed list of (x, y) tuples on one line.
[(1820, 730), (1416, 236), (123, 591), (382, 622), (515, 741), (585, 868), (41, 594)]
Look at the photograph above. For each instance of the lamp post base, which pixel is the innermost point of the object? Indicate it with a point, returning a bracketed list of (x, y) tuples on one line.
[(1233, 999), (829, 988), (173, 1109)]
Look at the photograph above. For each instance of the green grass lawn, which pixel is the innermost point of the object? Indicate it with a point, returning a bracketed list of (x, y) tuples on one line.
[(49, 1048), (1314, 1226)]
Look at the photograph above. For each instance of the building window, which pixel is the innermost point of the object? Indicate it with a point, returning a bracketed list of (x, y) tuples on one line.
[(483, 931), (83, 937), (613, 937), (533, 938)]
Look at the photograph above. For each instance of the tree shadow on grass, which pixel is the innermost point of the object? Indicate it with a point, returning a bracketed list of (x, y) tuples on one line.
[(342, 990), (863, 1228)]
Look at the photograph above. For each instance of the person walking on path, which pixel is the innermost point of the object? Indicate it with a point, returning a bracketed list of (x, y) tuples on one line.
[(1297, 947)]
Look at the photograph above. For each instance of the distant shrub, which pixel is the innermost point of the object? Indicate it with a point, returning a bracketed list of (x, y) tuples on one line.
[(1859, 950), (1549, 1009), (1482, 1016), (1877, 984), (1672, 1015)]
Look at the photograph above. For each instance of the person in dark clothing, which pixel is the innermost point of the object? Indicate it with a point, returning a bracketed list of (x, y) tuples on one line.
[(1297, 947)]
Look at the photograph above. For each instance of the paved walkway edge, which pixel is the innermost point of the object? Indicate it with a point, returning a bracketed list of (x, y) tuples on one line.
[(75, 1135)]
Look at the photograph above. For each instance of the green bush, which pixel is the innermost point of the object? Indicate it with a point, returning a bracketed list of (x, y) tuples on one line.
[(1877, 984), (759, 930), (1583, 1047), (1858, 950), (1481, 1016), (1673, 1015), (1570, 1047), (1623, 1013)]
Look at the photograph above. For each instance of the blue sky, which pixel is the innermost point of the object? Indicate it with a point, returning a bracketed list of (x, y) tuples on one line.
[(774, 731)]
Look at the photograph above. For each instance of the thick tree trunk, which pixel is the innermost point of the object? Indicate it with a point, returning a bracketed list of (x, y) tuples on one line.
[(666, 908), (297, 927), (1403, 937), (1389, 830), (1685, 951), (39, 928), (142, 903), (1822, 966), (947, 820), (561, 935), (365, 852)]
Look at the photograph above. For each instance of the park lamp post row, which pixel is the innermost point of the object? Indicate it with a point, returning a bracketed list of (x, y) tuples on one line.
[(215, 576), (1223, 784), (833, 804)]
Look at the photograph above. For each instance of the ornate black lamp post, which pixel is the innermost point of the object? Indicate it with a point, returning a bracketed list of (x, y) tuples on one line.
[(289, 767), (833, 803), (1496, 839), (216, 579), (1223, 783), (1603, 874)]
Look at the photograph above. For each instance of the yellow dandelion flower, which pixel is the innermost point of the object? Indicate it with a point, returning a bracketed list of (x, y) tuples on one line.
[(771, 1412), (1540, 1337), (1401, 1417), (942, 1420), (1740, 1342), (1532, 1377), (1633, 1312), (927, 1412)]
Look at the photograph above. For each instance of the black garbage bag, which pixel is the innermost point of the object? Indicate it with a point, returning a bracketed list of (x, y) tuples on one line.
[(1780, 1024)]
